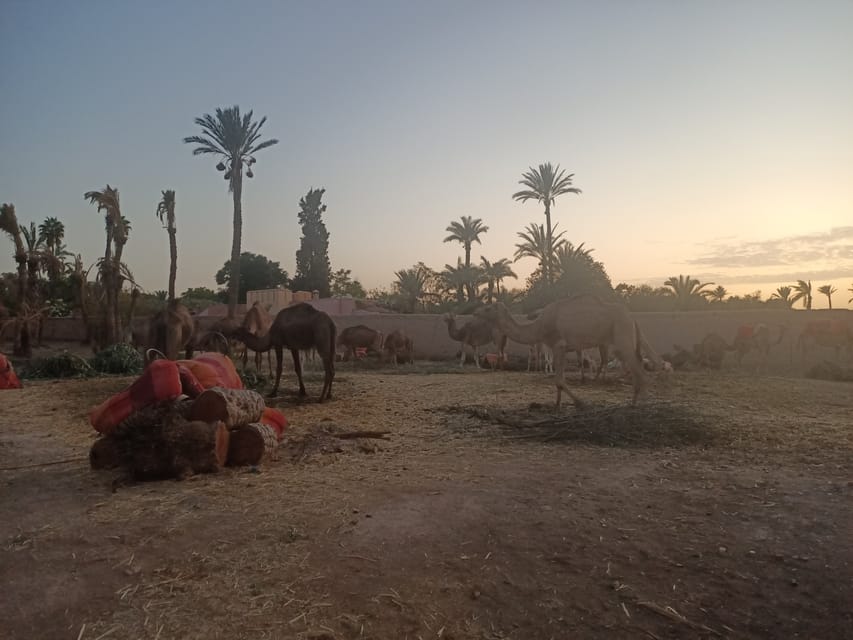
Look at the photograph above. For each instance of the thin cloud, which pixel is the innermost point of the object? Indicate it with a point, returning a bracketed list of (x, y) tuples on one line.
[(833, 246)]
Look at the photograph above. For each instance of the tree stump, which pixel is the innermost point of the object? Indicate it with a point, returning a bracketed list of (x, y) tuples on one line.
[(234, 407), (251, 444)]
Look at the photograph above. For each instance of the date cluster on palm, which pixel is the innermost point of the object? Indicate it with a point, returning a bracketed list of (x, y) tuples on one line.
[(182, 436)]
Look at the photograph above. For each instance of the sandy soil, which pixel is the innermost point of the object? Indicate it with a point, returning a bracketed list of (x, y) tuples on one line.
[(451, 528)]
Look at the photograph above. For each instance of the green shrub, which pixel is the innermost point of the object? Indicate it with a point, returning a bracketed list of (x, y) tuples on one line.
[(118, 358)]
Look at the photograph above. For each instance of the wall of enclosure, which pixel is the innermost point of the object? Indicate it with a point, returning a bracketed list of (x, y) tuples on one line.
[(663, 329)]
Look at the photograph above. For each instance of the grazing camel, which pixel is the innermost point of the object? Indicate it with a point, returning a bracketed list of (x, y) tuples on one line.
[(602, 355), (171, 330), (833, 334), (711, 351), (297, 328), (756, 337), (258, 322), (359, 337), (398, 344), (476, 333), (575, 323)]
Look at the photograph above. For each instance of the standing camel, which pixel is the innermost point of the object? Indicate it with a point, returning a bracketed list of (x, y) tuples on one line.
[(359, 337), (398, 345), (171, 330), (258, 322), (576, 323), (476, 333), (297, 328), (756, 337)]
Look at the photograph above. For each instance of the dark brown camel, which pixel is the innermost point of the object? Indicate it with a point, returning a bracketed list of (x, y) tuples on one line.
[(398, 344), (297, 328), (258, 321), (359, 337), (171, 330), (474, 334)]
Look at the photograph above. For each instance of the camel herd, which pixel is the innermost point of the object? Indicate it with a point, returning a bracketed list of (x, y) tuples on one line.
[(569, 325)]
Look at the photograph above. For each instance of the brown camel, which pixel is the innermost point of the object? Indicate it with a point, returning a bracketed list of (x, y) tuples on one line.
[(171, 330), (576, 323), (711, 351), (755, 337), (476, 333), (832, 334), (540, 358), (257, 321), (538, 353), (297, 328), (398, 345), (359, 337)]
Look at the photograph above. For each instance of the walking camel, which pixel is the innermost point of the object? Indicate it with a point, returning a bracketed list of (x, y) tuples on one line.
[(576, 323), (297, 328), (476, 333)]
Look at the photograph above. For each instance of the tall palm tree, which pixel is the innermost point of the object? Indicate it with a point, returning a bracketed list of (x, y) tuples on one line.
[(166, 209), (117, 228), (783, 294), (411, 286), (494, 273), (536, 244), (235, 140), (716, 295), (466, 232), (52, 231), (803, 291), (9, 224), (35, 252), (827, 290), (544, 185), (686, 290)]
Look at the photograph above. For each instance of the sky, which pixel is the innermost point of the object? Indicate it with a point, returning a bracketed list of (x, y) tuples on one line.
[(709, 138)]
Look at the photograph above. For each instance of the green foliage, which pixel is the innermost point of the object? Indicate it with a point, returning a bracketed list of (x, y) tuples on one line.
[(466, 232), (62, 365), (201, 293), (313, 270), (256, 272), (253, 379), (344, 285), (118, 358)]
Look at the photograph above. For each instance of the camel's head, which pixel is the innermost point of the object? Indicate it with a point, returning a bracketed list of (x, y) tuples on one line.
[(449, 317), (490, 312)]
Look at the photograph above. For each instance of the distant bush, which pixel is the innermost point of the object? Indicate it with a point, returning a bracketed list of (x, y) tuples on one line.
[(118, 358), (62, 365)]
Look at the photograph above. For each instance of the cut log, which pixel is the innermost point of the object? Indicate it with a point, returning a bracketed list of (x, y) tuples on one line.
[(234, 407), (174, 449), (251, 444)]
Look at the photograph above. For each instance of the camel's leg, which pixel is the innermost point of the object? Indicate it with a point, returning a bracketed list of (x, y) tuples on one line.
[(602, 354), (625, 350), (245, 358), (269, 361), (329, 368), (462, 359), (560, 378), (297, 366), (279, 356), (476, 355), (580, 364)]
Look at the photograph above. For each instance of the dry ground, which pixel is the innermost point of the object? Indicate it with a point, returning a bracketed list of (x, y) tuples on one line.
[(453, 528)]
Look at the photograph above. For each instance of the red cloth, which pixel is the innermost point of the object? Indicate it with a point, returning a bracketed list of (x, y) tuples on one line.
[(8, 379), (275, 419), (211, 369), (745, 331), (160, 381)]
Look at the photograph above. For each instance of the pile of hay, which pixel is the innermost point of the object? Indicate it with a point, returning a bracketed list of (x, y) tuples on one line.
[(650, 425)]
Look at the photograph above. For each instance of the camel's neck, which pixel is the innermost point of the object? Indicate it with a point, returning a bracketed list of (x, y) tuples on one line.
[(257, 343), (524, 333), (452, 331)]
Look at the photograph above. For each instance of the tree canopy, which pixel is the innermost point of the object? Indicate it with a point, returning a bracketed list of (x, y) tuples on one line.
[(256, 272), (313, 270)]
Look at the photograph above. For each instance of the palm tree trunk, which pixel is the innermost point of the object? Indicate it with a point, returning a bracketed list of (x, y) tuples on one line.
[(117, 284), (173, 257), (234, 280), (829, 297), (548, 266)]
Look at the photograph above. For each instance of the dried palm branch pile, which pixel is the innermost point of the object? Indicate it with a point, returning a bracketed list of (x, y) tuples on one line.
[(650, 425)]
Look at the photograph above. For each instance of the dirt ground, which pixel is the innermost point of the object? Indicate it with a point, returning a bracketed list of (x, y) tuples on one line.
[(453, 527)]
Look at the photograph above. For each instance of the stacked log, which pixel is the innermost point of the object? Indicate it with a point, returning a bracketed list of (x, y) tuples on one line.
[(252, 444), (234, 407)]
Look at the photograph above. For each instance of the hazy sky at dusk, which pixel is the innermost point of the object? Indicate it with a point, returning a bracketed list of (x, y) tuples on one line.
[(709, 138)]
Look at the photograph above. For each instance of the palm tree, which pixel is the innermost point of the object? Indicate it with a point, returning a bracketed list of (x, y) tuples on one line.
[(35, 252), (9, 224), (466, 232), (686, 290), (783, 294), (411, 286), (544, 185), (803, 291), (578, 272), (494, 273), (716, 295), (234, 138), (536, 244), (851, 299), (166, 209), (117, 229), (52, 231), (827, 290)]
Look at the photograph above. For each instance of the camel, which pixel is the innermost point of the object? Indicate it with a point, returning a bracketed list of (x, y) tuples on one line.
[(257, 321), (398, 344), (602, 356), (359, 337), (756, 337), (475, 334), (711, 351), (833, 334), (171, 330), (540, 358), (575, 323), (297, 328)]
